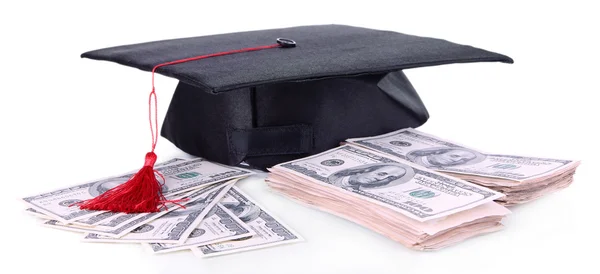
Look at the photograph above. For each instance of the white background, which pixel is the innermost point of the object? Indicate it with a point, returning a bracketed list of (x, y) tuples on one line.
[(66, 120)]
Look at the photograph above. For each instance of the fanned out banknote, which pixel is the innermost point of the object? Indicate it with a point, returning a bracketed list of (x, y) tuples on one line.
[(521, 179), (213, 214), (166, 218), (173, 227), (418, 207), (269, 230), (113, 220), (219, 225), (180, 177)]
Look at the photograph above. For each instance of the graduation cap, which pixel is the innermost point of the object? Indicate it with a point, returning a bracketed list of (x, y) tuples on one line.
[(269, 96)]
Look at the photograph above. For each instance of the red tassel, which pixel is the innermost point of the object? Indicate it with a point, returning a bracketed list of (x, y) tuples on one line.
[(142, 193)]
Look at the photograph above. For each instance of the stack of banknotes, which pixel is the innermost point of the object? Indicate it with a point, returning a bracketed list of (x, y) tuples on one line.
[(521, 179), (417, 207), (215, 217)]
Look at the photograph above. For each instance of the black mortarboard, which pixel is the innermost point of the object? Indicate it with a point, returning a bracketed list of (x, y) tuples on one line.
[(275, 104)]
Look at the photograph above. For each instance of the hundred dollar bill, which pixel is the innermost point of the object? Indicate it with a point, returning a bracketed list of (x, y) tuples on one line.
[(111, 219), (219, 225), (108, 221), (268, 230), (414, 191), (438, 154), (173, 227), (181, 176), (142, 218)]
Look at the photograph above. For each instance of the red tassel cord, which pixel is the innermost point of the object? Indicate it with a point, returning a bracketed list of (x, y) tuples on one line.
[(143, 191)]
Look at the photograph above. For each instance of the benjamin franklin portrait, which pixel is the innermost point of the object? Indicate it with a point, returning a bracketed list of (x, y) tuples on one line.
[(445, 157), (380, 175)]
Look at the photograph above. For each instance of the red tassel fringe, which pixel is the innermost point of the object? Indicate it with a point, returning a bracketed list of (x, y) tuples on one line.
[(142, 193)]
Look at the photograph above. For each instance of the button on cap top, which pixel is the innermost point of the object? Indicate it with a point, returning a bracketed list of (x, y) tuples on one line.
[(286, 43)]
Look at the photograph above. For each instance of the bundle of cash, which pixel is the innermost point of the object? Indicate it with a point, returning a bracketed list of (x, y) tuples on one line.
[(521, 179), (213, 218), (420, 208)]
